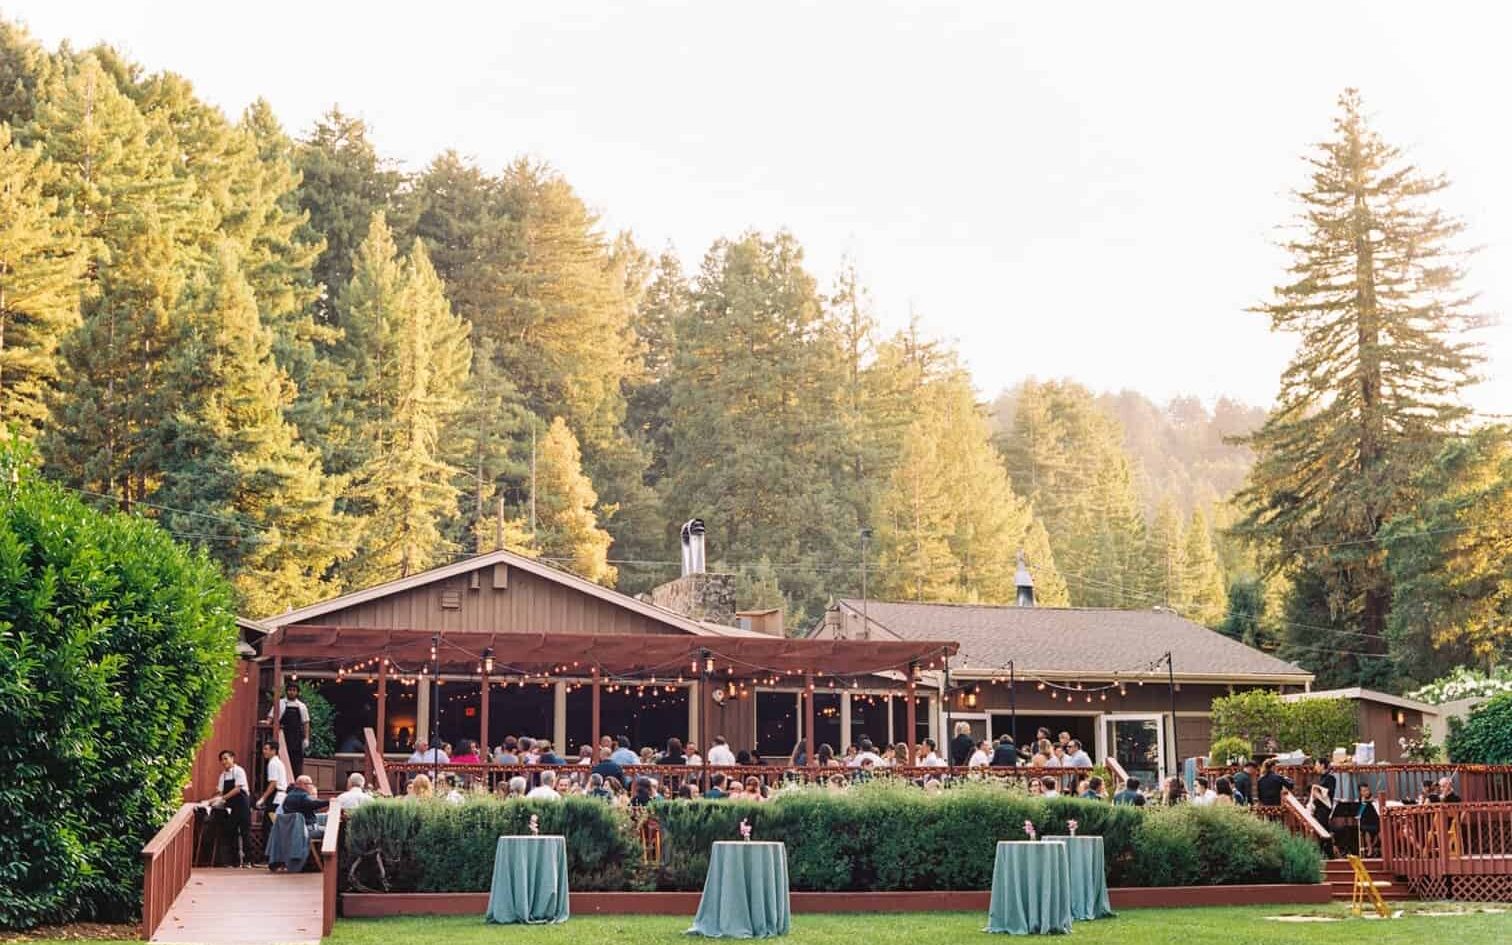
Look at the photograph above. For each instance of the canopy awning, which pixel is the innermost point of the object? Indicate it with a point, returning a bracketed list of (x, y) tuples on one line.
[(578, 654)]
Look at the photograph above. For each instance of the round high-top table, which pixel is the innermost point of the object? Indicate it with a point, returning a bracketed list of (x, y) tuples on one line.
[(745, 893), (1031, 888), (529, 880), (1089, 877)]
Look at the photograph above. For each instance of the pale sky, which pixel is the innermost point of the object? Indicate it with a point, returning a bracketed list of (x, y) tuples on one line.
[(1085, 191)]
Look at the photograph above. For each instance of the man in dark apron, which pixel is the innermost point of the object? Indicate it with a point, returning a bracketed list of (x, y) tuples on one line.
[(234, 799), (292, 717)]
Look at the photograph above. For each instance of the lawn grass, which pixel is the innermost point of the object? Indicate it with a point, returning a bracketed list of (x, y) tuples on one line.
[(1207, 926)]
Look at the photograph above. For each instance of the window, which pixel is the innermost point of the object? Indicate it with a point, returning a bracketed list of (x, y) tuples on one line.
[(827, 721), (776, 723), (869, 720), (900, 718)]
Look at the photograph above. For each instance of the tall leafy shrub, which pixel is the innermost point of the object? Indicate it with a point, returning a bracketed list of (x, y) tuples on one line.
[(1485, 736), (117, 647)]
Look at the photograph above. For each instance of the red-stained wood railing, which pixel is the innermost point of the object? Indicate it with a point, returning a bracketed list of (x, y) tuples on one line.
[(167, 860), (1430, 841), (1299, 819), (1117, 773), (1397, 782), (377, 769), (330, 868)]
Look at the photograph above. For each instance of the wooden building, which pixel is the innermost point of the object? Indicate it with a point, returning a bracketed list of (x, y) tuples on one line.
[(1137, 685), (1382, 719)]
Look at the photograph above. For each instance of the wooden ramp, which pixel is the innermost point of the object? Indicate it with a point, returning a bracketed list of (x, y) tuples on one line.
[(245, 907)]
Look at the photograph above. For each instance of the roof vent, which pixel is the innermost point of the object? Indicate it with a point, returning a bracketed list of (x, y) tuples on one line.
[(693, 547), (1024, 581)]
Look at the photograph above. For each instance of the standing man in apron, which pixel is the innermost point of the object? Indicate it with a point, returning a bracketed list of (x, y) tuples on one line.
[(292, 717), (235, 799)]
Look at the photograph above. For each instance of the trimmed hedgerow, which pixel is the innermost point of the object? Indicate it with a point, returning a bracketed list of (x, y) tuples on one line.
[(117, 647), (880, 836)]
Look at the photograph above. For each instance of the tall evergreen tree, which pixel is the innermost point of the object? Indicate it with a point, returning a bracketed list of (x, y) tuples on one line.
[(1203, 594), (39, 301), (1168, 555), (343, 183), (422, 371), (567, 528), (231, 464), (1372, 389)]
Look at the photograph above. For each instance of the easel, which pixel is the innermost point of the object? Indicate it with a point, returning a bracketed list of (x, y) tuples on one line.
[(1364, 886)]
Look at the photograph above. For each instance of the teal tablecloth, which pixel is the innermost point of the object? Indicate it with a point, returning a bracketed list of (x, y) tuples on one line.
[(1089, 877), (745, 894), (1031, 888), (529, 880)]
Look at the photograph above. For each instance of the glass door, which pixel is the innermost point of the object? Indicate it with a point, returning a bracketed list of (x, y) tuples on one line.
[(1138, 742)]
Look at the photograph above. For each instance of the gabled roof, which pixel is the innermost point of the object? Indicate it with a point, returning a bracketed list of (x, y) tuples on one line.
[(1074, 640), (670, 618), (1366, 695)]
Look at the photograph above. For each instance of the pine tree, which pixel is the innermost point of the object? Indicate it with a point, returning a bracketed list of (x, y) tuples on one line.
[(40, 263), (1168, 548), (422, 371), (233, 474), (1371, 391), (567, 527), (343, 184), (136, 218), (1203, 594), (488, 434)]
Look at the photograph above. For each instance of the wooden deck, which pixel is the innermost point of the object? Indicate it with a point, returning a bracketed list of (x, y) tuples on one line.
[(245, 907)]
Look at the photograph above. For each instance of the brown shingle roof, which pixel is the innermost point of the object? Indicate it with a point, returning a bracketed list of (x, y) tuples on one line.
[(1071, 639)]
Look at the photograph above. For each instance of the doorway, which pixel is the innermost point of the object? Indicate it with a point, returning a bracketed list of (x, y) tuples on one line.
[(1138, 742)]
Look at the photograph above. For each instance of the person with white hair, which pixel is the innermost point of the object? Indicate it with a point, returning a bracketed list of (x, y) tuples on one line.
[(354, 796), (517, 786), (546, 790)]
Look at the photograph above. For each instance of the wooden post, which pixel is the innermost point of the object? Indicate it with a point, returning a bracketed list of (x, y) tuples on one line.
[(912, 713), (382, 704), (595, 703), (277, 680), (487, 751), (808, 720)]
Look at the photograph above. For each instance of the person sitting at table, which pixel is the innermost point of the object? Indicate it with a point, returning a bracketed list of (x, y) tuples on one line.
[(1223, 792), (1175, 791), (867, 755), (1445, 793), (234, 801), (1049, 787), (419, 788), (546, 790), (623, 754), (424, 754), (506, 754), (982, 756), (303, 799), (648, 755), (1130, 794), (467, 753), (1268, 789), (585, 755), (643, 793), (716, 787), (899, 757), (824, 756), (690, 751), (354, 796), (548, 755), (1004, 755), (1368, 820), (674, 753)]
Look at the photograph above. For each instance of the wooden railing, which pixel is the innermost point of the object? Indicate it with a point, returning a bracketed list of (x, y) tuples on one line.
[(1430, 841), (671, 777), (330, 867), (1397, 782), (1299, 819), (1116, 772), (377, 770), (167, 860)]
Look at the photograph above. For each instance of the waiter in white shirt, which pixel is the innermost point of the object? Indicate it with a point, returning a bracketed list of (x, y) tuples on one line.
[(719, 752), (278, 779), (292, 717)]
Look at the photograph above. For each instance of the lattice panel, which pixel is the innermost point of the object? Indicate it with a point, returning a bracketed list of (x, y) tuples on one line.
[(1464, 888), (1425, 887)]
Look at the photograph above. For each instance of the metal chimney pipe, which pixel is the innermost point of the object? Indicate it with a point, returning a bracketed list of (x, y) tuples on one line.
[(1024, 581), (693, 547)]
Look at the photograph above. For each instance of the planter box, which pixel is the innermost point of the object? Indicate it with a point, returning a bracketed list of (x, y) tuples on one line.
[(373, 905)]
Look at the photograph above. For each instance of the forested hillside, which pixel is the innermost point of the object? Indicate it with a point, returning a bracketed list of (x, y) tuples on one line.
[(328, 371)]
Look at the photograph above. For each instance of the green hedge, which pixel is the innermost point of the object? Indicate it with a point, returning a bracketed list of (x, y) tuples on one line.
[(117, 646), (1316, 726), (434, 846), (879, 836), (1485, 737)]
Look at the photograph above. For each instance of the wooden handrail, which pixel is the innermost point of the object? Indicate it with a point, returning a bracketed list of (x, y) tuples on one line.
[(1299, 810), (1120, 776), (167, 860), (375, 762), (330, 862)]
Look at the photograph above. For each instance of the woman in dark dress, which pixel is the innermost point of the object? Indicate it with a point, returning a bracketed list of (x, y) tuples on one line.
[(1369, 819)]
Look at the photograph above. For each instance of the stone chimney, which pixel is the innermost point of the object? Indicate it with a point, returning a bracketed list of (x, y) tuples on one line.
[(1024, 581), (697, 594)]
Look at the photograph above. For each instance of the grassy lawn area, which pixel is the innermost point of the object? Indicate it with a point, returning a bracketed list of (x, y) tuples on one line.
[(1218, 926)]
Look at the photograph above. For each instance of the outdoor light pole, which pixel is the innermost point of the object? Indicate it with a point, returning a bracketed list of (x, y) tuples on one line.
[(866, 534), (435, 708), (1012, 707), (1175, 739)]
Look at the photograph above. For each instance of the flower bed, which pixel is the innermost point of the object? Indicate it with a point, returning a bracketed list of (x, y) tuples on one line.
[(874, 838)]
